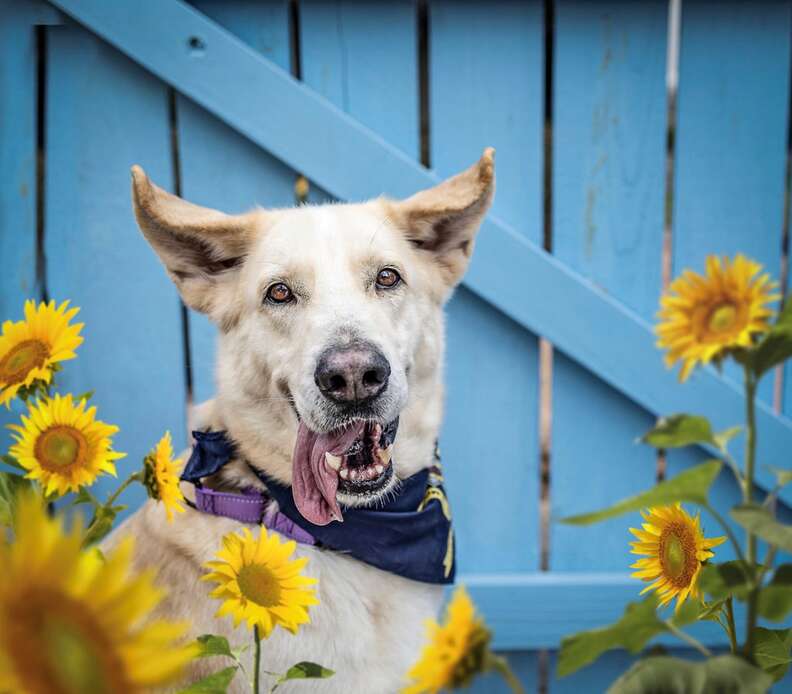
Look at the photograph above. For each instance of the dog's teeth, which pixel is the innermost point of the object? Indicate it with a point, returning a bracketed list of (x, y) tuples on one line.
[(385, 454), (333, 461), (353, 474), (379, 468), (344, 473)]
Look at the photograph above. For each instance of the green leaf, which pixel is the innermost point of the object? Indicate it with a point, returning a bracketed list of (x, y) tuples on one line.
[(638, 625), (10, 486), (303, 671), (722, 438), (775, 599), (216, 683), (771, 650), (102, 524), (679, 430), (689, 612), (691, 485), (729, 578), (667, 675), (760, 521), (212, 644), (87, 395), (712, 610), (783, 477), (775, 347)]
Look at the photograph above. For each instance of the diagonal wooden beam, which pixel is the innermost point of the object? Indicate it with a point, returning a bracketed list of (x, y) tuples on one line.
[(255, 97)]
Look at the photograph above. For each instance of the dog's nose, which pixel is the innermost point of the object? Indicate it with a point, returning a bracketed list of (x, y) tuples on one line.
[(353, 373)]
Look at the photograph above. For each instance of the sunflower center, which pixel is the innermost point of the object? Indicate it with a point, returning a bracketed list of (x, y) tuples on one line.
[(678, 554), (722, 318), (18, 363), (258, 584), (61, 446), (57, 646)]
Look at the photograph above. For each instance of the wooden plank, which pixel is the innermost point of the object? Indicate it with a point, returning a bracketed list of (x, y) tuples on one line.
[(105, 114), (501, 104), (490, 444), (361, 56), (536, 610), (608, 183), (283, 117), (219, 167), (731, 135)]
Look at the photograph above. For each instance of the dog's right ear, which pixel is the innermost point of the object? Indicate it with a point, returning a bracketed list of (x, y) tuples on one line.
[(201, 248)]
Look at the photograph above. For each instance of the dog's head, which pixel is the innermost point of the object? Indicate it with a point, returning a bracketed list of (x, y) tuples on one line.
[(330, 322)]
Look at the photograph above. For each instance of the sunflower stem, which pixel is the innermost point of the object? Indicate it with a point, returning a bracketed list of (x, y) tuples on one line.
[(750, 461), (134, 477), (501, 666), (256, 660), (731, 630), (688, 639), (723, 524)]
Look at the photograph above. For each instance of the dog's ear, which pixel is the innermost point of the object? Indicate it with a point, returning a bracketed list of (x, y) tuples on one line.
[(201, 248), (444, 220)]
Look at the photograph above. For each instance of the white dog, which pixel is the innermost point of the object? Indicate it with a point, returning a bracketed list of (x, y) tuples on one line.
[(330, 320)]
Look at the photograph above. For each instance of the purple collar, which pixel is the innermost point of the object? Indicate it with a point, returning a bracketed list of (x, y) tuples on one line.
[(251, 506)]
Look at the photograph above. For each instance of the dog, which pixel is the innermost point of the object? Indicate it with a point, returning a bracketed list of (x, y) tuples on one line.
[(329, 316)]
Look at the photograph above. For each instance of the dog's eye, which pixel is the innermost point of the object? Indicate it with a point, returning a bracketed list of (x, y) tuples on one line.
[(388, 278), (279, 293)]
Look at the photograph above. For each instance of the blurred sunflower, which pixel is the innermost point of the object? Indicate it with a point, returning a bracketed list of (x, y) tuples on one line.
[(30, 348), (457, 650), (63, 445), (72, 622), (259, 583), (701, 317), (675, 550), (161, 476)]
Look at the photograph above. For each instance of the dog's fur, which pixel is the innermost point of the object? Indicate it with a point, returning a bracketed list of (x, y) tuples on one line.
[(369, 624)]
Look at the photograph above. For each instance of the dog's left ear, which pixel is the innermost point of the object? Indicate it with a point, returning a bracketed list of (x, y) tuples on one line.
[(444, 220)]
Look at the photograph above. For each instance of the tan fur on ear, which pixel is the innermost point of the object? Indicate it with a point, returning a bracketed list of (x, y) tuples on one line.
[(199, 246), (444, 220)]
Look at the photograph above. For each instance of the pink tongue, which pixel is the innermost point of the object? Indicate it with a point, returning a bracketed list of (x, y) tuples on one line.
[(314, 483)]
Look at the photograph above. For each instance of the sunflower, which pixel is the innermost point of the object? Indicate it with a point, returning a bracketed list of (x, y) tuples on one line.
[(702, 317), (30, 348), (161, 476), (72, 622), (63, 445), (457, 650), (675, 548), (260, 583)]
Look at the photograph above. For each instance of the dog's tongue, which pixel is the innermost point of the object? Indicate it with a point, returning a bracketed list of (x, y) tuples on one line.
[(314, 483)]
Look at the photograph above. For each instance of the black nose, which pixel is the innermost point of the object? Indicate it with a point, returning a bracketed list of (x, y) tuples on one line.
[(354, 373)]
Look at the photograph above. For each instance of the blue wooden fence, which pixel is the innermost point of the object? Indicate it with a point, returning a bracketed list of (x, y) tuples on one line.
[(227, 102)]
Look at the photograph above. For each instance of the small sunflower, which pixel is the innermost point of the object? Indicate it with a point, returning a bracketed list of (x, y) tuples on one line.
[(30, 348), (702, 317), (675, 548), (63, 445), (72, 622), (260, 583), (161, 476), (457, 650)]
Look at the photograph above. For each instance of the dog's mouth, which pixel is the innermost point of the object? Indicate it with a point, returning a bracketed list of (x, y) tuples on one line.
[(352, 466)]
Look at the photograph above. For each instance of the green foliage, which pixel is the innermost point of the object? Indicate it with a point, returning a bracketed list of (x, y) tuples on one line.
[(680, 430), (667, 675), (633, 631), (302, 671), (772, 651), (731, 578), (759, 521), (775, 599), (101, 524), (691, 485), (775, 347), (214, 645), (216, 683), (10, 485), (11, 462), (783, 477)]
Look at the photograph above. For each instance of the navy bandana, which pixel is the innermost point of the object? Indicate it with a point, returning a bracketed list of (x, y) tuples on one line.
[(410, 534)]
